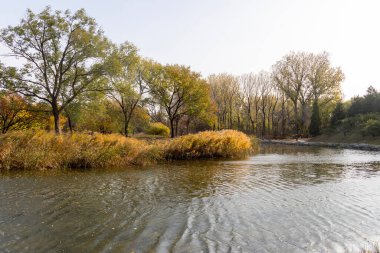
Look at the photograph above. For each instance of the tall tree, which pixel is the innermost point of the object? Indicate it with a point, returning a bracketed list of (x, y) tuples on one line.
[(337, 114), (315, 122), (62, 54), (250, 94), (225, 93), (290, 74), (178, 90), (126, 82)]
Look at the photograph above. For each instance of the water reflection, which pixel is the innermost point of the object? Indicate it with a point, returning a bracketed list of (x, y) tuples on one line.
[(285, 199)]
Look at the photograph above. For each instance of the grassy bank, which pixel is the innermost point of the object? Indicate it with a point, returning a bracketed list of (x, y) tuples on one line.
[(361, 128), (30, 150), (351, 138)]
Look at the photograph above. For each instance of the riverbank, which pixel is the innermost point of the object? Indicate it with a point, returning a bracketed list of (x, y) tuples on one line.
[(302, 142), (40, 150)]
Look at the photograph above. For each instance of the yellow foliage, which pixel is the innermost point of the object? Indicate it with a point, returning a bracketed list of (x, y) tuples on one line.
[(157, 128), (62, 122), (45, 150), (39, 150), (208, 144)]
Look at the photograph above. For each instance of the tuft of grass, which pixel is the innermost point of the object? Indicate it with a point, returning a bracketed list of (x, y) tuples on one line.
[(374, 249), (209, 144), (43, 150)]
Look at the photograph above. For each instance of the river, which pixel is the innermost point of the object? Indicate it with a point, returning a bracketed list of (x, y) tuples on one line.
[(284, 199)]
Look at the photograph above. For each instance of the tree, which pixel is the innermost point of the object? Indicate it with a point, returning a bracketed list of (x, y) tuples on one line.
[(307, 78), (126, 84), (315, 122), (99, 115), (62, 54), (366, 104), (325, 83), (225, 93), (265, 88), (250, 94), (178, 90), (290, 75), (338, 114), (13, 112)]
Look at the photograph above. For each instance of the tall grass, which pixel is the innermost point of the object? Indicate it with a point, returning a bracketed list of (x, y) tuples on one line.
[(30, 150), (209, 144), (42, 150), (375, 248)]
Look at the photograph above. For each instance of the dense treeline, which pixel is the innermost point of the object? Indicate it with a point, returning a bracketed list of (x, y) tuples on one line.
[(296, 98), (359, 114), (73, 78)]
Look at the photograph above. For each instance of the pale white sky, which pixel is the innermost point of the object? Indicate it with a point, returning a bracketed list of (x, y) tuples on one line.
[(240, 36)]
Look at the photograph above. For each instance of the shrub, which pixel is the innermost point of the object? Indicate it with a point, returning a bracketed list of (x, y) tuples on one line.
[(208, 144), (158, 128), (43, 150), (347, 125), (371, 127)]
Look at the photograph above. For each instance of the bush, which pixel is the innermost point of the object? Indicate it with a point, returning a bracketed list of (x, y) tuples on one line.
[(158, 128), (208, 144), (42, 150), (372, 128)]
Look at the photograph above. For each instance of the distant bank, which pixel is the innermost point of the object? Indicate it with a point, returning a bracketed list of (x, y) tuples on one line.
[(314, 143)]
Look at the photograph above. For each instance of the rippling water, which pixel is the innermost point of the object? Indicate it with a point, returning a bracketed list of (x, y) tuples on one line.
[(285, 199)]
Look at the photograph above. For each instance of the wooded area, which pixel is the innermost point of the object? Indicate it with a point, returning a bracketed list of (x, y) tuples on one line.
[(72, 78)]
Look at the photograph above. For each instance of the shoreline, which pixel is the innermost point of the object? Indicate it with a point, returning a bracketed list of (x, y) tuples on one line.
[(357, 146)]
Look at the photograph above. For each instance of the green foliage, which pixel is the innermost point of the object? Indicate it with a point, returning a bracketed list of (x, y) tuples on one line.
[(99, 115), (367, 123), (140, 120), (371, 127), (337, 115), (315, 122), (367, 104), (61, 55), (157, 128), (125, 80), (179, 91), (208, 144), (347, 125)]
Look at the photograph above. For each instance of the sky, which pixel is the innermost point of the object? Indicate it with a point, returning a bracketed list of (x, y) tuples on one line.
[(236, 36)]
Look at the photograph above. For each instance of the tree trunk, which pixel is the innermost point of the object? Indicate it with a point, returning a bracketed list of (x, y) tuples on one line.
[(176, 126), (126, 124), (70, 123), (296, 118), (283, 118), (263, 125), (171, 122), (188, 126), (57, 127)]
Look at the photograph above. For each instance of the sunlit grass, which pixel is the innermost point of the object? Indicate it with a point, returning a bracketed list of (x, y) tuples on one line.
[(42, 150), (31, 150), (373, 249), (209, 144)]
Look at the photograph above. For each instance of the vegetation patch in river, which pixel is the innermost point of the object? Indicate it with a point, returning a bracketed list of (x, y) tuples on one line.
[(209, 144), (30, 150)]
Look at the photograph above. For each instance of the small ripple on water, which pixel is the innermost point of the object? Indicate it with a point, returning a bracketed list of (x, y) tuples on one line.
[(301, 201)]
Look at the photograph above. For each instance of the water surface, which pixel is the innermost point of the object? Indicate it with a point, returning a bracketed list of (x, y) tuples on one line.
[(285, 199)]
